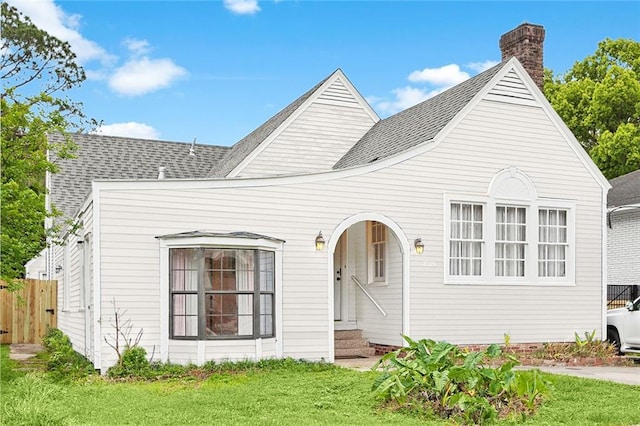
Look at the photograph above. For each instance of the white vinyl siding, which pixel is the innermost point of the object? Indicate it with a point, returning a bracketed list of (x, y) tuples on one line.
[(317, 138), (72, 286)]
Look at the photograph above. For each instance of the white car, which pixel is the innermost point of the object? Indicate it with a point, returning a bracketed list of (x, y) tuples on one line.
[(623, 327)]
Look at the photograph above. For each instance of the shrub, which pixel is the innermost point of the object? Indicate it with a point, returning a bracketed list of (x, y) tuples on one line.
[(63, 362), (438, 378), (132, 363), (590, 346)]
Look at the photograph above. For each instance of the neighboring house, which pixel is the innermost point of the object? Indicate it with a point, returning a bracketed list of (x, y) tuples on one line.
[(623, 238), (469, 216)]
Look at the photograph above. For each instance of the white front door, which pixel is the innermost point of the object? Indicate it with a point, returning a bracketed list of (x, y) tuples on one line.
[(338, 280)]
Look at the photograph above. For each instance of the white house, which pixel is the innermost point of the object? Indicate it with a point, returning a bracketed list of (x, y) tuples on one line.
[(623, 238), (472, 215)]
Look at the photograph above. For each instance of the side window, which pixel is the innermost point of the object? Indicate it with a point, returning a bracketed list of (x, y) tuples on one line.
[(377, 251), (553, 243), (466, 239), (511, 241)]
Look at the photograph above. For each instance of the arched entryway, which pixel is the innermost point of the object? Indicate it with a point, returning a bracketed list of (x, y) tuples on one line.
[(369, 277)]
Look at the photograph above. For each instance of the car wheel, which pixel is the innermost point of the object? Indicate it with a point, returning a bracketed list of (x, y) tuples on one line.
[(614, 338)]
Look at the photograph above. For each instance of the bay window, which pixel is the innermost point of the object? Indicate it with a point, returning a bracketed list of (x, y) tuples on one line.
[(221, 293)]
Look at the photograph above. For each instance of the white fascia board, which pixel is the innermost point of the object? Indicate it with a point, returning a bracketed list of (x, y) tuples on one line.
[(337, 75), (558, 123)]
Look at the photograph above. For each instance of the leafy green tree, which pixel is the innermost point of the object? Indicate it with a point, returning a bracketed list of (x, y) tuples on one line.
[(36, 68), (599, 99)]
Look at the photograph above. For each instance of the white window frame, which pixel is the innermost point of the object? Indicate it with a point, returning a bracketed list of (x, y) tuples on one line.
[(489, 276), (472, 240), (371, 261)]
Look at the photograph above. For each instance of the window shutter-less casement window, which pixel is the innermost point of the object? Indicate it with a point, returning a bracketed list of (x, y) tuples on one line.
[(221, 293)]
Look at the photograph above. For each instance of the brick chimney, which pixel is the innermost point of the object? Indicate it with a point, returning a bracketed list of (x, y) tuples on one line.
[(525, 43)]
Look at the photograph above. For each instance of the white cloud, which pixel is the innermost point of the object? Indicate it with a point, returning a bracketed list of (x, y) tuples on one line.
[(48, 16), (242, 7), (405, 97), (482, 66), (448, 75), (143, 75), (432, 81), (137, 47), (130, 129)]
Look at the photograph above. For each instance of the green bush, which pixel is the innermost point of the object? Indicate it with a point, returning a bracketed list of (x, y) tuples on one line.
[(63, 362), (439, 379), (133, 363)]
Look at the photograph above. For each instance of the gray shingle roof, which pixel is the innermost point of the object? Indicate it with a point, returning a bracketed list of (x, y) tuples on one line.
[(110, 157), (415, 125), (625, 190), (246, 145)]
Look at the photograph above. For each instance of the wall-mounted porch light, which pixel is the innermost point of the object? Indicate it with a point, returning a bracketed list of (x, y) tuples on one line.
[(419, 245), (320, 242), (58, 269)]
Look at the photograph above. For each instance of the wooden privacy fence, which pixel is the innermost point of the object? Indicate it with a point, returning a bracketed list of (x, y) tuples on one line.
[(27, 313)]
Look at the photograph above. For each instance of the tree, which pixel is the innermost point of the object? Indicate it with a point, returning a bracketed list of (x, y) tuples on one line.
[(599, 99), (35, 69)]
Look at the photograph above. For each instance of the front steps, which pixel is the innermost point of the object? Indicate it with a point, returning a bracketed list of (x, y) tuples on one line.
[(351, 344)]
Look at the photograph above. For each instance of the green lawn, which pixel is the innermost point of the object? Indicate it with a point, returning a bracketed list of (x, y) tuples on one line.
[(294, 394)]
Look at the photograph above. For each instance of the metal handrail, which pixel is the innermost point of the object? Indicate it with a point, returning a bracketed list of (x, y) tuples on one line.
[(369, 296)]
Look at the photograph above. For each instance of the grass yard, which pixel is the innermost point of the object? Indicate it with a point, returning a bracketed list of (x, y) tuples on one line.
[(286, 394)]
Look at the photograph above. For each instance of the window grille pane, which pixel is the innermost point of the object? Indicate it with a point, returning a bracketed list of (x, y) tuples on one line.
[(477, 231), (267, 262), (466, 212), (562, 235), (562, 217), (454, 266), (543, 217), (477, 213), (454, 249), (455, 211), (455, 230), (245, 280)]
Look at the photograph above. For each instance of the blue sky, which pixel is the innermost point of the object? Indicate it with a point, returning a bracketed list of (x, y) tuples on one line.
[(216, 70)]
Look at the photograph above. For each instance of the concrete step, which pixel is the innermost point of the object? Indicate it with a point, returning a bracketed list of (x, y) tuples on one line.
[(355, 352), (347, 334), (351, 343)]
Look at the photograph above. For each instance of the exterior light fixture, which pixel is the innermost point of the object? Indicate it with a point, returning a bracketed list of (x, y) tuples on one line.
[(419, 245), (58, 269), (320, 242)]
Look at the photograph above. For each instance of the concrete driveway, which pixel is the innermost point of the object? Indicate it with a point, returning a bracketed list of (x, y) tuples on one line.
[(625, 375)]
